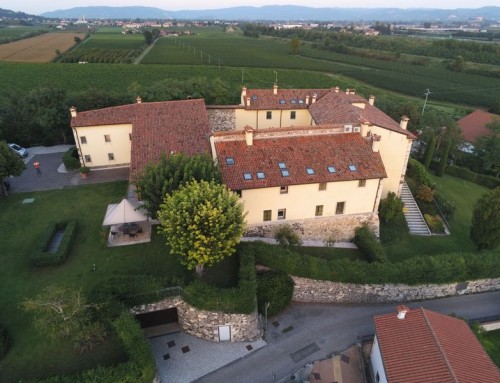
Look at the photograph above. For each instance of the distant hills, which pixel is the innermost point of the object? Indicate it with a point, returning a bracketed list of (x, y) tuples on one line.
[(281, 13)]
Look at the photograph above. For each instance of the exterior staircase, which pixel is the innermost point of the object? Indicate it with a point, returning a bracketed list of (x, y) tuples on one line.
[(412, 213)]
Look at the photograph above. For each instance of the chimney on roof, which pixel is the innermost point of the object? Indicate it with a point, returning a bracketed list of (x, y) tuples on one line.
[(347, 91), (402, 310), (248, 101), (73, 111), (138, 99), (376, 142), (336, 89), (352, 91), (275, 89), (371, 100), (307, 100), (404, 122), (364, 129), (243, 95), (249, 136), (315, 96)]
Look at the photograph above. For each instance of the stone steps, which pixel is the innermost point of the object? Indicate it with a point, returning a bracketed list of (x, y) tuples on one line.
[(412, 213)]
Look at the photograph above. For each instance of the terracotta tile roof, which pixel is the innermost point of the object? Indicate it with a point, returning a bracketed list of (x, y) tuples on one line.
[(284, 99), (473, 125), (157, 128), (338, 108), (434, 348), (297, 152)]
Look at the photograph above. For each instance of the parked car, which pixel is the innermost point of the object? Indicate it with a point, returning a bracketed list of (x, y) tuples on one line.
[(23, 153)]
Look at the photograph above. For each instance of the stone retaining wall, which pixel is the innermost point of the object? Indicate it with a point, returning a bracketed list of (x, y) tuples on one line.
[(205, 324), (341, 227), (221, 119), (310, 290)]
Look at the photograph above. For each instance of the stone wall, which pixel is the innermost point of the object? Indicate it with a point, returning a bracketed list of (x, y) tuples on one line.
[(205, 324), (223, 119), (340, 226), (310, 290)]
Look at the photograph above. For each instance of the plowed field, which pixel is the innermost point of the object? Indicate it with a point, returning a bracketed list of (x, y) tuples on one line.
[(38, 49)]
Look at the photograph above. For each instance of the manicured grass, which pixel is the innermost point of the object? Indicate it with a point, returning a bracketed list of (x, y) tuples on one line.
[(329, 253), (464, 194), (491, 343), (21, 225)]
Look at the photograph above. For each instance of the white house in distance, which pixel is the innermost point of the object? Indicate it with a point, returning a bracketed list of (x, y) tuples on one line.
[(419, 345), (319, 159)]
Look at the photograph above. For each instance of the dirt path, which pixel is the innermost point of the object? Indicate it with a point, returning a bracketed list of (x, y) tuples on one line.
[(145, 52)]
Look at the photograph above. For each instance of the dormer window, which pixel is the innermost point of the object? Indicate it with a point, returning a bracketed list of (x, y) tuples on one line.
[(247, 176), (229, 161), (331, 169), (353, 168), (310, 171)]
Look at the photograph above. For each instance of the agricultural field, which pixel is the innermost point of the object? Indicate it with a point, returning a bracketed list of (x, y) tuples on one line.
[(109, 46), (13, 33), (39, 49), (216, 47)]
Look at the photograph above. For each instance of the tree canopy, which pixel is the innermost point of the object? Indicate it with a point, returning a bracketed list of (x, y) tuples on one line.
[(487, 148), (485, 228), (157, 180), (202, 222), (10, 165)]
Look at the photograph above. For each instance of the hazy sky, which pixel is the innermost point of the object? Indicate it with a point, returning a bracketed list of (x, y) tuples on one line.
[(39, 6)]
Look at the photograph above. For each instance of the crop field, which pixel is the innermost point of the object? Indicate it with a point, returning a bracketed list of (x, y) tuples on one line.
[(215, 47), (39, 49), (108, 47), (17, 32)]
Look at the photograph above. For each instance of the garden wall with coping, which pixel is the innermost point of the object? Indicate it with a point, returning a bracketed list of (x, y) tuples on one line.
[(205, 324), (315, 291), (341, 227)]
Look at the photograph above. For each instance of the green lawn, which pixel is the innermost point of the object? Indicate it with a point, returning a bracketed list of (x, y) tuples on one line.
[(464, 194), (491, 343), (21, 225)]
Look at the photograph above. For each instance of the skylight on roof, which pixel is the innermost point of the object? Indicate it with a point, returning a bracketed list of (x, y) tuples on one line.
[(293, 101), (310, 171), (331, 169), (282, 101), (282, 165), (301, 101), (261, 175), (254, 97), (229, 160), (247, 176), (353, 168), (285, 173)]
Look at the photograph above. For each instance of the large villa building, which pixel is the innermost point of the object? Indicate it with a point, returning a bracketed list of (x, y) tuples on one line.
[(319, 159)]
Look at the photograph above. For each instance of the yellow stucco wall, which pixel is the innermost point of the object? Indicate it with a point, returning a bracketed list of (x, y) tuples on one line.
[(394, 149), (301, 200), (257, 119), (97, 147)]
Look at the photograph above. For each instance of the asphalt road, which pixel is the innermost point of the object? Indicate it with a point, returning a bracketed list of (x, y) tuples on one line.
[(332, 328)]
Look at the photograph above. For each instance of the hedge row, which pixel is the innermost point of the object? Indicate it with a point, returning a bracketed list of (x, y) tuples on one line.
[(140, 368), (41, 257), (70, 159), (480, 179), (444, 268), (238, 300)]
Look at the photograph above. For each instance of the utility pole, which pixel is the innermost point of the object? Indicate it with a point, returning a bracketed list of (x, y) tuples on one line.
[(242, 75), (276, 77), (427, 93), (266, 306)]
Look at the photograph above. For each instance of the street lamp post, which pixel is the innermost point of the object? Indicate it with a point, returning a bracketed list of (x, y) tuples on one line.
[(266, 306)]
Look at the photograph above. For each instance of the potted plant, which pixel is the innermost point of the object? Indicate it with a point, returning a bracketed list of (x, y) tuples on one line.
[(84, 171)]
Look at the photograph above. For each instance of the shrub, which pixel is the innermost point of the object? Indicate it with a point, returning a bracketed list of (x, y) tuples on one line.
[(480, 179), (447, 207), (5, 342), (285, 236), (276, 288), (368, 244), (393, 225), (425, 193), (70, 159), (41, 257), (418, 172), (434, 222)]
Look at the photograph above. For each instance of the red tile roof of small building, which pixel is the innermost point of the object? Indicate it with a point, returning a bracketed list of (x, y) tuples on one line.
[(473, 125), (265, 99), (298, 152), (430, 347), (157, 128)]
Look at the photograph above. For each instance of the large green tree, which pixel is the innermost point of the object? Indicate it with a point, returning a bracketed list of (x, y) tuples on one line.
[(157, 180), (202, 222), (485, 228), (487, 148), (10, 165)]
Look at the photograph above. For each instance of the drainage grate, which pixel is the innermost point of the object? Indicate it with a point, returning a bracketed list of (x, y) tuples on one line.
[(166, 356), (317, 376), (249, 347), (275, 323), (185, 349), (304, 352), (171, 343), (344, 358)]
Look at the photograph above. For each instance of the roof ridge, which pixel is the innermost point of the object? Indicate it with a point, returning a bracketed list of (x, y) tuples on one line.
[(436, 339)]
